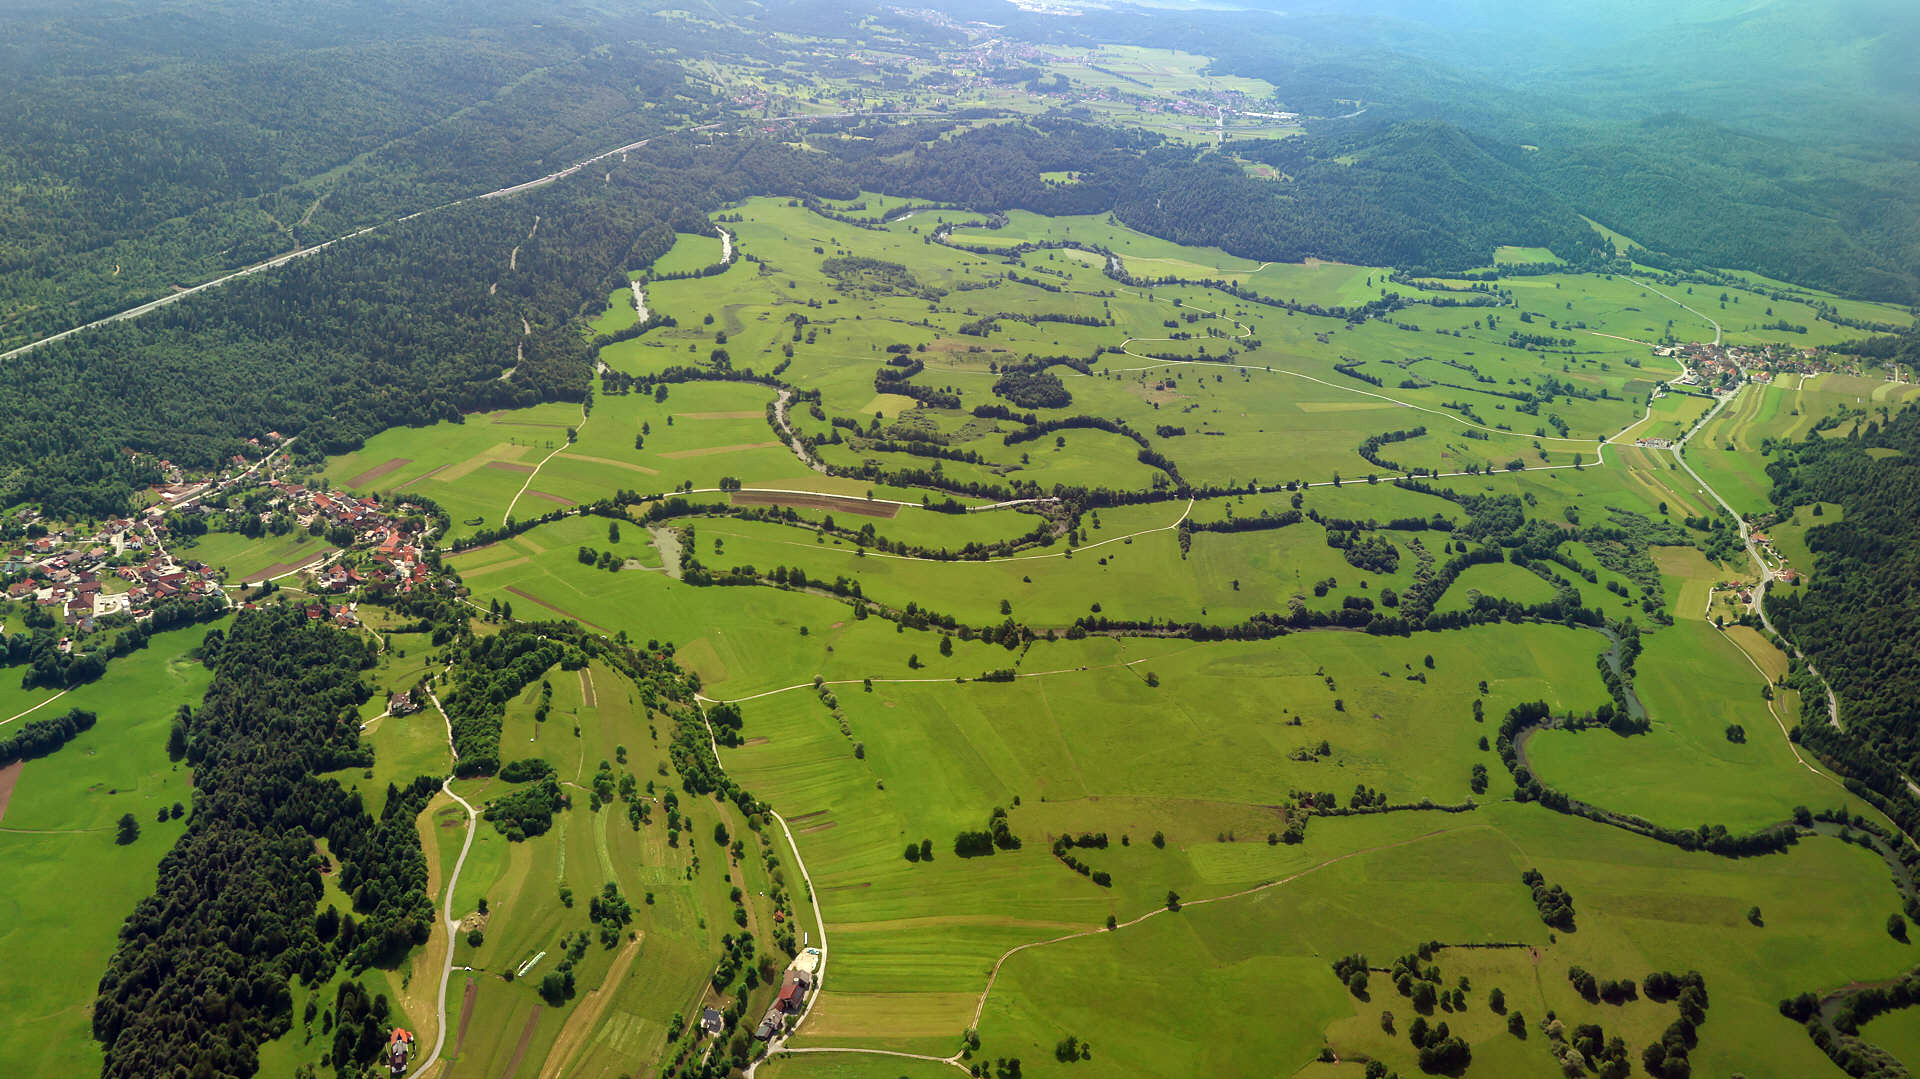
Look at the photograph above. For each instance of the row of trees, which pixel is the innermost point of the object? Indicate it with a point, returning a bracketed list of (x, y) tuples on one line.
[(39, 737)]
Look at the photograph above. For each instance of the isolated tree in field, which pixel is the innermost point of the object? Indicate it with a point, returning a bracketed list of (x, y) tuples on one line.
[(129, 830), (1896, 925), (946, 646), (1424, 997), (1496, 1001)]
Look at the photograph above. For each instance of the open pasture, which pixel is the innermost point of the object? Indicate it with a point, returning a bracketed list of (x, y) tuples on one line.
[(1210, 746), (1643, 907), (1687, 771), (241, 559), (937, 759), (71, 885)]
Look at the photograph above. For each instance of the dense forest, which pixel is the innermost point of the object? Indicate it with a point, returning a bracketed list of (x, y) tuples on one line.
[(141, 153), (1855, 620), (405, 326), (1420, 195), (202, 974), (1718, 197)]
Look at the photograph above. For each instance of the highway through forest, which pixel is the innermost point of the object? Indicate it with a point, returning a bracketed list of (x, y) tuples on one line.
[(503, 192)]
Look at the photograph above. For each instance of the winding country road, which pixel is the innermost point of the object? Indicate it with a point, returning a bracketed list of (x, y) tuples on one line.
[(426, 1061), (1753, 548)]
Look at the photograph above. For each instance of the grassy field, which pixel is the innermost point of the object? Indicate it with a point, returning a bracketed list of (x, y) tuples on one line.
[(1230, 956), (70, 885), (1896, 1032), (1695, 684), (241, 559), (868, 736)]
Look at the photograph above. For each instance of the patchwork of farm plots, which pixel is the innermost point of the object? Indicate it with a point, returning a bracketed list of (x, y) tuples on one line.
[(811, 585)]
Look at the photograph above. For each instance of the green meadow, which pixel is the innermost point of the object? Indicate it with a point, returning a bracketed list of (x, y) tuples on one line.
[(869, 737), (242, 559), (74, 884)]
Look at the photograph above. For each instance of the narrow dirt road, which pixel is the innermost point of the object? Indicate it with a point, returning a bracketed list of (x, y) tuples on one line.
[(557, 451)]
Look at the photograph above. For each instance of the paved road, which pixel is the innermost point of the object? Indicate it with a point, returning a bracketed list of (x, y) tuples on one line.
[(1753, 548), (426, 1061), (515, 189)]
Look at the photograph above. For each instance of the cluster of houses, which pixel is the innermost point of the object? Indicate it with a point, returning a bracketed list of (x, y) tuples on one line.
[(123, 566), (1782, 572), (340, 614), (72, 575), (395, 558), (395, 563), (1720, 368)]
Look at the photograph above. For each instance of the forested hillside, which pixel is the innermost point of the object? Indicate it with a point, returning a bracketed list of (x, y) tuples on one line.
[(206, 963), (1417, 195), (407, 325), (1838, 216), (1856, 619), (208, 150), (1673, 133)]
